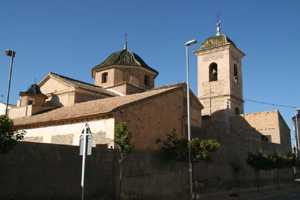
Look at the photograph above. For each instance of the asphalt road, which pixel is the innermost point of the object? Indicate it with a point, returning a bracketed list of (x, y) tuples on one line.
[(285, 192), (288, 193), (294, 196)]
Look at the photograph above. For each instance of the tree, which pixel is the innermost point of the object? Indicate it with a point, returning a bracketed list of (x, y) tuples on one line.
[(282, 161), (259, 161), (175, 148), (201, 149), (8, 137), (122, 140)]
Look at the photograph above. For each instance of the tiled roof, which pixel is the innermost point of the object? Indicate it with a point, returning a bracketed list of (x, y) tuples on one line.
[(91, 108), (82, 85), (216, 41), (123, 58)]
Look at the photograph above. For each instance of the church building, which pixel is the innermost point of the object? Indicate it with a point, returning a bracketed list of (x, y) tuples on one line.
[(56, 109)]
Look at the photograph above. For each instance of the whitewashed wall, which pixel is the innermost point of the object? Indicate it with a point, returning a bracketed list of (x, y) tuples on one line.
[(2, 108), (102, 131)]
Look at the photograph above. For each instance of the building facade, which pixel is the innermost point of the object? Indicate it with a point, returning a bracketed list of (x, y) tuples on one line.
[(56, 109)]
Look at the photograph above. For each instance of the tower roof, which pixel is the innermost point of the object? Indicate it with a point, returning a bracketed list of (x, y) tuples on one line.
[(216, 41), (123, 58)]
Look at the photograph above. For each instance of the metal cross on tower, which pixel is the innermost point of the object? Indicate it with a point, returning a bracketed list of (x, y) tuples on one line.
[(218, 27)]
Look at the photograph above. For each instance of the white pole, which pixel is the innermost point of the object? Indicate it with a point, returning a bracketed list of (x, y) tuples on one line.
[(187, 44), (83, 162), (297, 133), (189, 122)]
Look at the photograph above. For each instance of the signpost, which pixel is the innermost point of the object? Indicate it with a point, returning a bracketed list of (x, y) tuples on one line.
[(85, 143)]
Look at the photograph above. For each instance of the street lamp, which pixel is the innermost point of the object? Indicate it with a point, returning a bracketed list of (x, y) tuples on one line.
[(187, 45), (12, 54), (297, 132)]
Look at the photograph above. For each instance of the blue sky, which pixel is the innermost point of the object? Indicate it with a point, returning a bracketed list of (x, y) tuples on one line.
[(71, 36)]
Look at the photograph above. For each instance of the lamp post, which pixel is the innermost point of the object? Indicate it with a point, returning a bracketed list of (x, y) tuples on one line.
[(187, 45), (297, 133), (12, 54)]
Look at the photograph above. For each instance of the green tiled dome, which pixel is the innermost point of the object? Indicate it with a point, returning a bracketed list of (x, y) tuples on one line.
[(123, 58)]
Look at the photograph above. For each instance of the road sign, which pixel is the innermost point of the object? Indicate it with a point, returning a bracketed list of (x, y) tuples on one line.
[(88, 144), (85, 149)]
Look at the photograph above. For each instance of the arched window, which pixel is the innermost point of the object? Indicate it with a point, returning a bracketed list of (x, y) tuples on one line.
[(213, 72), (235, 73)]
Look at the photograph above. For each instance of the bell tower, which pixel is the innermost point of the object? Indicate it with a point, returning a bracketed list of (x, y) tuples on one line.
[(220, 81)]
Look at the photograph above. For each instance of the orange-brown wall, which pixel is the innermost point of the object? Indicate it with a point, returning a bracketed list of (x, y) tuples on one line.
[(155, 117)]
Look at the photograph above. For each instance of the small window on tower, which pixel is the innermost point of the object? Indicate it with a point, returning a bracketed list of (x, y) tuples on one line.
[(146, 80), (213, 72), (30, 102), (104, 77), (235, 73), (237, 111)]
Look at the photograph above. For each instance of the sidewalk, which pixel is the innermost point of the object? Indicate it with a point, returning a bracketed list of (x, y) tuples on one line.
[(285, 192)]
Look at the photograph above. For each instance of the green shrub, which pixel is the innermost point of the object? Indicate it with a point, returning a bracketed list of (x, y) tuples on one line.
[(8, 137)]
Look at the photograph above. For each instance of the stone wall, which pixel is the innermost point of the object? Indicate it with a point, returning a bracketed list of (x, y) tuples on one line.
[(42, 171), (46, 171)]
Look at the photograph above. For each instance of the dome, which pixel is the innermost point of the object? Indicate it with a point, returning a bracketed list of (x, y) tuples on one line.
[(123, 58), (33, 90), (216, 41)]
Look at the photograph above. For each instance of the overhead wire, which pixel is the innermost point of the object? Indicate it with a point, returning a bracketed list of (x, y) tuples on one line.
[(271, 104)]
